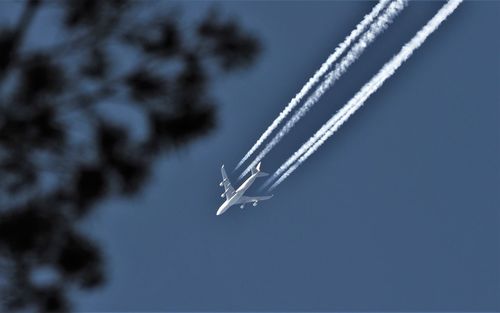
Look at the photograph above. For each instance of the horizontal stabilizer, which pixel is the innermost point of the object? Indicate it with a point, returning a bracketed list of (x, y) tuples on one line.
[(256, 170), (248, 199)]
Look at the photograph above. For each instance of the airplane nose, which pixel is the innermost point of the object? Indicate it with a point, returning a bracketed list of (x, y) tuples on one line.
[(220, 210), (223, 208)]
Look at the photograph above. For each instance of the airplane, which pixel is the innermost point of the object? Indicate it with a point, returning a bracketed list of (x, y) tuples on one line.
[(237, 196)]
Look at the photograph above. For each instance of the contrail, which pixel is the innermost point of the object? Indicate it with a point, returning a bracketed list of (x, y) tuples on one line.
[(368, 37), (360, 28), (369, 88), (313, 140)]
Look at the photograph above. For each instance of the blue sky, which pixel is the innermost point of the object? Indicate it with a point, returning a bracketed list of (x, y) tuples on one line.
[(397, 211)]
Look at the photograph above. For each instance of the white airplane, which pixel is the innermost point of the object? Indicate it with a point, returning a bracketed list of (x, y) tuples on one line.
[(237, 196)]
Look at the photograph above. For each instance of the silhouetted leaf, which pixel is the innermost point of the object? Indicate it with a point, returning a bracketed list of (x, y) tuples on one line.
[(228, 43), (93, 277), (52, 300), (18, 172), (39, 129), (184, 126), (6, 46), (27, 230), (80, 259), (82, 12), (40, 75), (90, 12), (48, 131), (17, 296), (90, 185), (113, 150), (110, 138), (132, 173), (160, 39), (96, 65), (144, 85), (192, 79)]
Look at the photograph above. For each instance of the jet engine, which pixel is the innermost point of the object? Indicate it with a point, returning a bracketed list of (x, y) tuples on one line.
[(222, 195), (242, 206), (255, 203), (220, 184)]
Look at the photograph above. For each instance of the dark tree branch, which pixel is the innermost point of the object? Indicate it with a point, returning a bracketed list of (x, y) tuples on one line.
[(18, 35), (52, 122)]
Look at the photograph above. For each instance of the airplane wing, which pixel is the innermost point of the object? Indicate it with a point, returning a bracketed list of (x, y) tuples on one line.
[(228, 188), (245, 199)]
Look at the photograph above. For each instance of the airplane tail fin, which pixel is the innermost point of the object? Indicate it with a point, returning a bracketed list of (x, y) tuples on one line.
[(256, 170)]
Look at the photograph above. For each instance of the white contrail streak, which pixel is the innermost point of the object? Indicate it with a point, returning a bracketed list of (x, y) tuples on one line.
[(368, 37), (360, 28), (369, 88)]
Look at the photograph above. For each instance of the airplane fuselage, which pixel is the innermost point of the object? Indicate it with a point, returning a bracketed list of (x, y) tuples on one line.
[(237, 195)]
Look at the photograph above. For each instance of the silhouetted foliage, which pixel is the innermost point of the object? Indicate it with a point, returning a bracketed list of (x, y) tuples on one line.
[(6, 47), (145, 85), (163, 40), (40, 77), (227, 42), (96, 65), (90, 185), (61, 151)]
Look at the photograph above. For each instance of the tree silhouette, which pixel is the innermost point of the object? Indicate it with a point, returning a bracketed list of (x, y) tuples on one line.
[(62, 149)]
